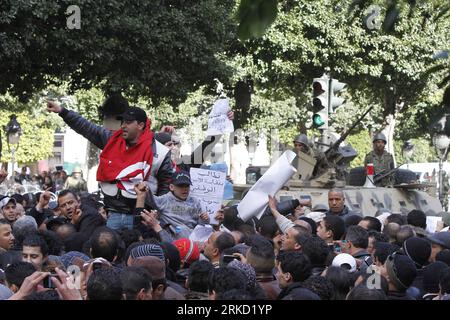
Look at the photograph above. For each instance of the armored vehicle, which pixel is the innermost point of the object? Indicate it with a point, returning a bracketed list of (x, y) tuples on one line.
[(329, 169)]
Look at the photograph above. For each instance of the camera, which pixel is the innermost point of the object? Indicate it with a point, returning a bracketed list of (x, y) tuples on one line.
[(97, 266), (227, 258), (47, 282), (285, 207), (137, 219), (337, 247)]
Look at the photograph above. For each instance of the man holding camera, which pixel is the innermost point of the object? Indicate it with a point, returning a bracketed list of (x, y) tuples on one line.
[(293, 234)]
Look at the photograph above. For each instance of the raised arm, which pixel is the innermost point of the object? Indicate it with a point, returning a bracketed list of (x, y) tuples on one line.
[(95, 134)]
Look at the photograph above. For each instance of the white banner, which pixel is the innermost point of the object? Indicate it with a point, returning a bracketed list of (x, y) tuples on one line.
[(218, 122), (208, 186), (255, 201)]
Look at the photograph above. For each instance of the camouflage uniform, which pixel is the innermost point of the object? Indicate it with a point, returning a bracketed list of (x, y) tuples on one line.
[(76, 184), (381, 164)]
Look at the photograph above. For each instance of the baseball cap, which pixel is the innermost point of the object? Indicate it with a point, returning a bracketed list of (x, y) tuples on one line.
[(5, 200), (441, 238), (401, 270), (133, 113), (317, 216), (181, 178), (345, 261), (320, 207)]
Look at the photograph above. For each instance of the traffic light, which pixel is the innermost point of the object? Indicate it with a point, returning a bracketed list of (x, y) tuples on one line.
[(335, 102), (320, 102)]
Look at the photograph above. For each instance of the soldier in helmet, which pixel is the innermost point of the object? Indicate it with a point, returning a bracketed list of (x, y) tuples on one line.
[(382, 160), (76, 182), (301, 143)]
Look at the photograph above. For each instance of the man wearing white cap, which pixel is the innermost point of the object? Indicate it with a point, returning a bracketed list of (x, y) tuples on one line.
[(8, 209), (345, 261)]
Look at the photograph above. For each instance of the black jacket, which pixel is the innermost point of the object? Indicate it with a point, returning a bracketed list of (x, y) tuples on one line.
[(301, 293), (89, 221), (99, 136), (418, 284), (40, 216), (395, 295), (344, 214)]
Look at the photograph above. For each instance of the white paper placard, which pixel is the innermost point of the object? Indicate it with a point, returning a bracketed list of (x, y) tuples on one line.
[(218, 122), (208, 186), (256, 200), (432, 222), (201, 233)]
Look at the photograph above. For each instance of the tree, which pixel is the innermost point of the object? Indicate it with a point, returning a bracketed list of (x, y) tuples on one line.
[(389, 69), (36, 141), (156, 49)]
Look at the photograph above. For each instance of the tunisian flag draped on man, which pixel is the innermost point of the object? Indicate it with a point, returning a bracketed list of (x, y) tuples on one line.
[(126, 167)]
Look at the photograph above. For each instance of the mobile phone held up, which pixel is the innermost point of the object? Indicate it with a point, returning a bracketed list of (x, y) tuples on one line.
[(337, 247), (227, 258), (47, 282), (137, 219)]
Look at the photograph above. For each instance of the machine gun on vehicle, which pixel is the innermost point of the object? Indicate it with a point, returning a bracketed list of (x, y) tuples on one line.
[(337, 158)]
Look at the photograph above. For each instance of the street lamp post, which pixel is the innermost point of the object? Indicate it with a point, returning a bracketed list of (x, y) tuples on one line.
[(441, 142), (13, 132)]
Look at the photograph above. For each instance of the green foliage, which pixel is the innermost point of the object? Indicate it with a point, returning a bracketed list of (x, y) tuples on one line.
[(197, 103), (361, 142), (156, 49), (423, 151), (389, 70), (86, 102), (36, 142), (254, 17)]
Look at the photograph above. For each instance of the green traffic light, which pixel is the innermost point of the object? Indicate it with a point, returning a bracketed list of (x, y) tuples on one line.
[(317, 120)]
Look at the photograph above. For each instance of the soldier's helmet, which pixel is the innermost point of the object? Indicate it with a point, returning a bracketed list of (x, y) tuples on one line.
[(302, 138), (76, 169), (379, 136)]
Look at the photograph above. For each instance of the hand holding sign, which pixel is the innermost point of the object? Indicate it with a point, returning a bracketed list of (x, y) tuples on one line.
[(219, 119)]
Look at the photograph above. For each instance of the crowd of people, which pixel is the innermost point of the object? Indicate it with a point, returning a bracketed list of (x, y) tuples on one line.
[(54, 181), (311, 254), (133, 241)]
